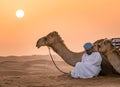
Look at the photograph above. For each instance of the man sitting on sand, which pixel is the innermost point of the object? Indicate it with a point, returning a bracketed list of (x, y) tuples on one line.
[(90, 64)]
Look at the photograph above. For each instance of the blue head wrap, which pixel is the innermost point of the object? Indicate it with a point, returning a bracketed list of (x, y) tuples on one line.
[(88, 46)]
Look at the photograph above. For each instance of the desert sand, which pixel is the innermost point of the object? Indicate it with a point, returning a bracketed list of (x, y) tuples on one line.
[(39, 71)]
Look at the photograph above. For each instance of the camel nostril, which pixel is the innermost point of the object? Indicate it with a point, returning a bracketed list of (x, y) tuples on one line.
[(37, 46)]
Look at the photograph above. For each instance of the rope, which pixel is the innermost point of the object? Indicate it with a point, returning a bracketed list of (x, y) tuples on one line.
[(55, 63)]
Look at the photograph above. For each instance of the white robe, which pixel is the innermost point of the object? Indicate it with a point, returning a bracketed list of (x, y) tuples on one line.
[(89, 67)]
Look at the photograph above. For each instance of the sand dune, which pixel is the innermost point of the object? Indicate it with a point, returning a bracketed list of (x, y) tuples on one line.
[(39, 71)]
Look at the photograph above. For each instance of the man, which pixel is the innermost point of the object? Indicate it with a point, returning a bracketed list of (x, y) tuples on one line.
[(90, 64)]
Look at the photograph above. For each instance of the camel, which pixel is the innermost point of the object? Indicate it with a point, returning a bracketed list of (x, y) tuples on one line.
[(54, 41), (112, 54)]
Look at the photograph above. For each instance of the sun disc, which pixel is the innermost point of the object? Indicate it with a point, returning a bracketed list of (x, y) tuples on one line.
[(20, 13)]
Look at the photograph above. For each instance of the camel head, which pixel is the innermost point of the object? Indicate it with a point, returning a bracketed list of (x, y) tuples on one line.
[(49, 40), (97, 44), (104, 45)]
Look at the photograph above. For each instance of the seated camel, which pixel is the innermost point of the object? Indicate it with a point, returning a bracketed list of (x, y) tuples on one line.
[(54, 41), (113, 55)]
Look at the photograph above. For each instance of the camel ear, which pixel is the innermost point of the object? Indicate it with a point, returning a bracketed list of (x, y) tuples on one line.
[(53, 34), (105, 41)]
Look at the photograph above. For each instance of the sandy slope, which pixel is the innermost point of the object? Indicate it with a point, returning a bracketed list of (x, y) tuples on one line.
[(39, 71)]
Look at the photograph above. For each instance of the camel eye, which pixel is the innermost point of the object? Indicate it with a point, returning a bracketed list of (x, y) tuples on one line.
[(99, 46), (45, 39)]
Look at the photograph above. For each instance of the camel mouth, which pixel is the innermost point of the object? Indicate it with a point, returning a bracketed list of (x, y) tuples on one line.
[(41, 42), (38, 46)]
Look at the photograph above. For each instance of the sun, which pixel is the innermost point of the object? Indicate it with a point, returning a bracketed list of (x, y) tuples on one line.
[(20, 13)]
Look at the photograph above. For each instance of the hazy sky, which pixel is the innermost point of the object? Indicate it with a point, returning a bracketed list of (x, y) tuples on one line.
[(77, 22)]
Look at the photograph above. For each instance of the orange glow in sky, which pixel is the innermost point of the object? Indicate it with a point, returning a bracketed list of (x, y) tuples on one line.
[(77, 21)]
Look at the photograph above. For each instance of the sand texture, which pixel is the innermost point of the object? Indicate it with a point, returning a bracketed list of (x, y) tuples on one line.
[(39, 71)]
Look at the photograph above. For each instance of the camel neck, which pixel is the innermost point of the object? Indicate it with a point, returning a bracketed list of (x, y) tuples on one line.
[(109, 52), (64, 53), (114, 60)]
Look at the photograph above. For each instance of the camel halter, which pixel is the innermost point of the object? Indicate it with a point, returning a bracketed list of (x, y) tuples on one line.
[(55, 63)]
